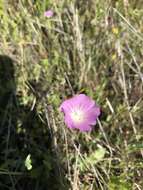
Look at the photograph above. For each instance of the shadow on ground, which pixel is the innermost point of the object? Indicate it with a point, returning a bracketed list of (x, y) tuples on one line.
[(22, 133)]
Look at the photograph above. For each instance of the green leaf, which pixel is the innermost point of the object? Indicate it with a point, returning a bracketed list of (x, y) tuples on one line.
[(119, 183), (96, 156), (93, 158), (28, 162)]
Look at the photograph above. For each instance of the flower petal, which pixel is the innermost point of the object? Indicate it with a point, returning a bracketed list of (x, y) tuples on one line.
[(80, 104), (69, 122), (84, 127), (83, 101), (48, 13), (66, 106), (92, 115)]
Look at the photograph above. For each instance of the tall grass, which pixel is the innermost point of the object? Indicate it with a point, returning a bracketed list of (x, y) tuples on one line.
[(92, 47)]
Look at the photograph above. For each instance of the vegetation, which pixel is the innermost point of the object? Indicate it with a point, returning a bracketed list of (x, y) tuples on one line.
[(92, 47)]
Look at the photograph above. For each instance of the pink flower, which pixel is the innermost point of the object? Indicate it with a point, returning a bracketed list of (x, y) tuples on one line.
[(48, 13), (80, 112)]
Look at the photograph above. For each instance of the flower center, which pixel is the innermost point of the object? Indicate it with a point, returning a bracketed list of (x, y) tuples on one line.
[(77, 115)]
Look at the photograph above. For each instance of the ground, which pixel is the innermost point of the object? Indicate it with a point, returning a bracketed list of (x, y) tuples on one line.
[(92, 47)]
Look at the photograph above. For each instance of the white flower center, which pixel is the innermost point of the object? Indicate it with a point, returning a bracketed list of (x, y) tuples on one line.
[(77, 115)]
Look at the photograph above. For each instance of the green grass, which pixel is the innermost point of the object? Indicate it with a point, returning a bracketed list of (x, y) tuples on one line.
[(92, 47)]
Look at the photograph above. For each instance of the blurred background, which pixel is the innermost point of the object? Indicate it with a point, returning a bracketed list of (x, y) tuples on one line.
[(86, 46)]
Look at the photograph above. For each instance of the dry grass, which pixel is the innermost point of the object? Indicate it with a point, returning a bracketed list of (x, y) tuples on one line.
[(93, 47)]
